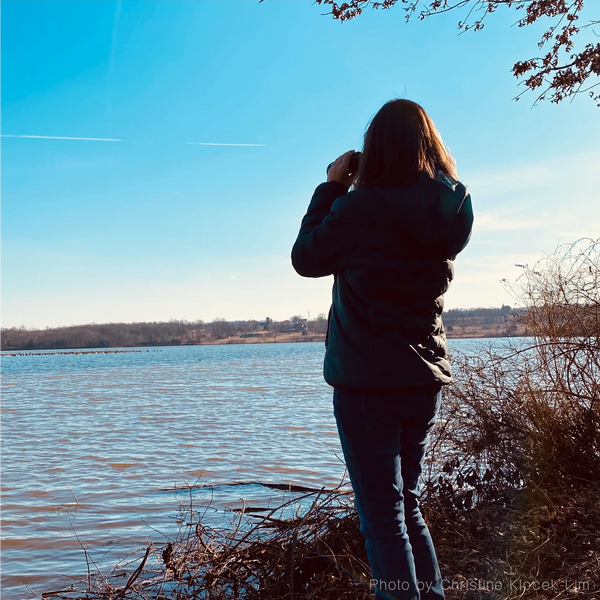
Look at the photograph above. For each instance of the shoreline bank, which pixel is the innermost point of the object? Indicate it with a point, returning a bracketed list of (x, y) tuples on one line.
[(469, 332)]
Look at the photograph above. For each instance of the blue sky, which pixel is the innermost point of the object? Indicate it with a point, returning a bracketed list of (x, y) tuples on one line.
[(156, 227)]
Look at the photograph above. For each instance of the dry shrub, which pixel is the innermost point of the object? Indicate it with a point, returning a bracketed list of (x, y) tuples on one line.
[(512, 494), (317, 553)]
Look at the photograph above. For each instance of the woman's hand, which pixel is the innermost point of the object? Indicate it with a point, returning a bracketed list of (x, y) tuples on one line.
[(339, 169)]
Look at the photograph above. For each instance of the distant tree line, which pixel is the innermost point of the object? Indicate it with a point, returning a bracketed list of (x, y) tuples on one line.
[(174, 333), (170, 333), (477, 316)]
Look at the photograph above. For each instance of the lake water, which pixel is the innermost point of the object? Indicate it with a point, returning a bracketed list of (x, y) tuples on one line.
[(94, 447)]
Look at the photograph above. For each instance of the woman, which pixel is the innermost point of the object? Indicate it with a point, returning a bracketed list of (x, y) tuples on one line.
[(390, 244)]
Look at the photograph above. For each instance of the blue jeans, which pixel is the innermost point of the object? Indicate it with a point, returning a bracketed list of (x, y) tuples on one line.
[(384, 437)]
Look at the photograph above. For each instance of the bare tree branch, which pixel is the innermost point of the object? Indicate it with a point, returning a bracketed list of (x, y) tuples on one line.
[(562, 73)]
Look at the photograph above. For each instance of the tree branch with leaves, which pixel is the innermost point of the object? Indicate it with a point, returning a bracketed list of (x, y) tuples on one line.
[(563, 71)]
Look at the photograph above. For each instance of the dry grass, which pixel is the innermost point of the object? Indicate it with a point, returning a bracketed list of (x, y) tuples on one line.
[(268, 337), (487, 331)]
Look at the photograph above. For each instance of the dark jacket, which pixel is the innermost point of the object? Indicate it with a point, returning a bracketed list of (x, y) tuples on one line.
[(391, 251)]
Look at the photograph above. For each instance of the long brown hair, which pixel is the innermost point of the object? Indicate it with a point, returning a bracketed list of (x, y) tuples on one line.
[(400, 142)]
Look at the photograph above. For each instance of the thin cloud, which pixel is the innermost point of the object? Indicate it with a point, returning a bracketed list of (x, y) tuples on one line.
[(217, 144), (176, 193), (54, 137), (507, 221)]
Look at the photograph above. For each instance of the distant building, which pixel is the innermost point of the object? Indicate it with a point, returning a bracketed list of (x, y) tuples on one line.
[(299, 325)]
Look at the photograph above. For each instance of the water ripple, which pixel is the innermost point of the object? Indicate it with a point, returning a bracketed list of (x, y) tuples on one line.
[(92, 442)]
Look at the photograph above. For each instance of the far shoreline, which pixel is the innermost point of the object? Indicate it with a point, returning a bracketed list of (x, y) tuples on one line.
[(458, 323), (471, 332)]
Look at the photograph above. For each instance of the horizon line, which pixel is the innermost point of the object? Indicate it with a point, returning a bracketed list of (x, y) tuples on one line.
[(33, 328)]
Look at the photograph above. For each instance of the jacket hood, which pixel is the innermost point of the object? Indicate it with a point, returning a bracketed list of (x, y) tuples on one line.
[(435, 213)]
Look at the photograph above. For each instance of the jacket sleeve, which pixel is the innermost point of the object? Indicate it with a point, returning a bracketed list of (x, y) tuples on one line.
[(327, 233)]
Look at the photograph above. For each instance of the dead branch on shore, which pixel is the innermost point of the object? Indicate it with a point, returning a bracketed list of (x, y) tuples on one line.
[(290, 552)]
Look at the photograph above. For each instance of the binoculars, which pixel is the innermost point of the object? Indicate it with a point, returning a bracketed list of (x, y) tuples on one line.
[(353, 166)]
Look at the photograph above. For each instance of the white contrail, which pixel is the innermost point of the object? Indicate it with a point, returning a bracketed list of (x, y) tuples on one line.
[(216, 144), (54, 137)]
